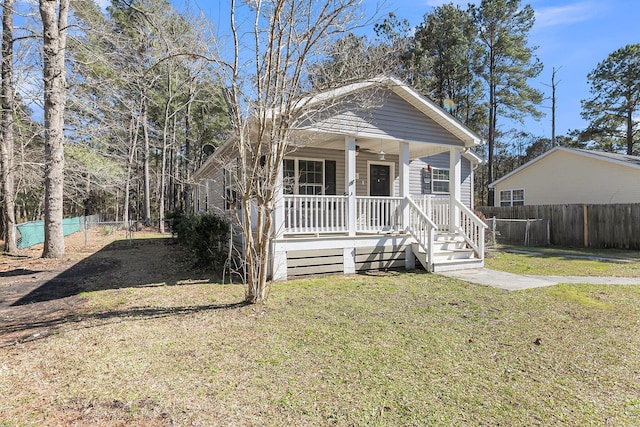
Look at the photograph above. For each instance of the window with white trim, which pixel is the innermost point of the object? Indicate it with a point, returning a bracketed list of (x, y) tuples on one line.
[(439, 180), (309, 177), (512, 197), (230, 187)]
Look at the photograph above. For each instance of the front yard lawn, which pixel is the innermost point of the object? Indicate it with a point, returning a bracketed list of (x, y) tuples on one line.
[(390, 349), (564, 262)]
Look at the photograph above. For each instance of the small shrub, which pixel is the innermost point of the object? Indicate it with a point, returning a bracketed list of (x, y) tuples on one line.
[(106, 230), (207, 236)]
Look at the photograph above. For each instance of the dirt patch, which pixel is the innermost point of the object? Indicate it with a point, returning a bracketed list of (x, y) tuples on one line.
[(38, 296)]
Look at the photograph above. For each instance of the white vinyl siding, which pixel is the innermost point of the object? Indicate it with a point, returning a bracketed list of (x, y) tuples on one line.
[(420, 178), (393, 118)]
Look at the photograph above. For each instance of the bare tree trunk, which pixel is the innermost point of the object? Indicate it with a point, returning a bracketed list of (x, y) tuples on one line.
[(145, 160), (133, 135), (54, 28), (163, 172), (186, 195), (163, 165), (8, 187), (630, 132), (175, 167)]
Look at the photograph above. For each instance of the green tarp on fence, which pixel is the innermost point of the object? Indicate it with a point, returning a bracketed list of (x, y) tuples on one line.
[(32, 233)]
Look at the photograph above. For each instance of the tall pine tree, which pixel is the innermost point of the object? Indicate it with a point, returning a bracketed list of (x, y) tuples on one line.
[(613, 109), (508, 62)]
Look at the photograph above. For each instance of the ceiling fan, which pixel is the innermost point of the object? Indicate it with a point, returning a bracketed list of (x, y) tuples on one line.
[(380, 153)]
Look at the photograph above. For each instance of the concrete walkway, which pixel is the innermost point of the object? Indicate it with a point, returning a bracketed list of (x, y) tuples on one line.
[(513, 282)]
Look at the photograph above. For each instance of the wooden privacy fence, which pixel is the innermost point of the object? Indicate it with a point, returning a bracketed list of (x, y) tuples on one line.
[(595, 226)]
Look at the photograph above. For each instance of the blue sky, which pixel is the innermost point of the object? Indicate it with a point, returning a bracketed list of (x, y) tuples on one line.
[(572, 36)]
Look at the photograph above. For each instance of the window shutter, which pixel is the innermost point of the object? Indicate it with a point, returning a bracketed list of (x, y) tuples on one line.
[(330, 177)]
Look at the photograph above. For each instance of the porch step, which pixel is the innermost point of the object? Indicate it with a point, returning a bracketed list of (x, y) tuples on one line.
[(444, 236), (450, 252), (457, 264)]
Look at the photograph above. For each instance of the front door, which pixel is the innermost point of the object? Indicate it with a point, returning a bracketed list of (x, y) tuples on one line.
[(379, 186), (379, 180)]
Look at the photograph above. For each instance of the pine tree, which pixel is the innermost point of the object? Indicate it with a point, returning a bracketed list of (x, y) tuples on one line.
[(508, 62), (54, 28), (613, 109)]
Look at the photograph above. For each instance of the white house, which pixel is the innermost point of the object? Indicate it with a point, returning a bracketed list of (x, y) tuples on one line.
[(372, 188), (571, 176)]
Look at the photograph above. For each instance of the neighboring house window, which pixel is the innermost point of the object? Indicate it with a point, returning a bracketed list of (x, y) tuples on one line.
[(309, 177), (512, 197), (439, 180)]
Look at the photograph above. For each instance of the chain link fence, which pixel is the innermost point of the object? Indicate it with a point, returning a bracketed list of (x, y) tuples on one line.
[(523, 232), (32, 233)]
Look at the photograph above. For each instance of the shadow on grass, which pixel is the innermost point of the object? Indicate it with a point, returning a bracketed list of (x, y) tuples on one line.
[(43, 328), (18, 272), (39, 309), (121, 264)]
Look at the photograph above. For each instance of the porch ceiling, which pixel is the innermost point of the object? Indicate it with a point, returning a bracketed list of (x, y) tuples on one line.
[(373, 145)]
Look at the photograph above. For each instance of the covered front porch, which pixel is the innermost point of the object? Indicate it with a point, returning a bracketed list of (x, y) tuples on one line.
[(313, 231)]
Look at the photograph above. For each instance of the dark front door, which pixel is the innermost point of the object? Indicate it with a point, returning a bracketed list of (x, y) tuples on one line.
[(380, 186), (379, 180)]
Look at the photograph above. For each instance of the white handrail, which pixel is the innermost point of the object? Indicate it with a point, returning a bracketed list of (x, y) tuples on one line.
[(422, 228), (472, 228), (435, 207)]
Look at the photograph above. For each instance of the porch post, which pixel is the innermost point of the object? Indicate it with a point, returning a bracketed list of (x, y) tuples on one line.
[(279, 267), (404, 183), (278, 211), (455, 172), (350, 182)]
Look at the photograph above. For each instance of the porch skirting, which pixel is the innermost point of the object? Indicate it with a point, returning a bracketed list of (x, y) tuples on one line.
[(303, 256)]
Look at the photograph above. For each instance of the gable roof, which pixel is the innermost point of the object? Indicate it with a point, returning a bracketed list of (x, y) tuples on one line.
[(615, 158), (472, 157), (624, 159), (404, 91)]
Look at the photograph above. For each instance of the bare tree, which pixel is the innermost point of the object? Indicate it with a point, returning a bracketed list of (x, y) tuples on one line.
[(54, 32), (266, 98), (8, 173)]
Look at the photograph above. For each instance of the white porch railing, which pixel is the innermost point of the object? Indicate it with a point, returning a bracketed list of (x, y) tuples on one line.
[(315, 214), (422, 228), (375, 214), (472, 228), (437, 208), (328, 214), (428, 214)]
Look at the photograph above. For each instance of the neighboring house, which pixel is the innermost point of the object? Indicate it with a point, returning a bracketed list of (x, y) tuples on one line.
[(369, 189), (571, 176)]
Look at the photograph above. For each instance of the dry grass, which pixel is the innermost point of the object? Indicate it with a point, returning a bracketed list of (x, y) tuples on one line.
[(565, 262), (391, 349)]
